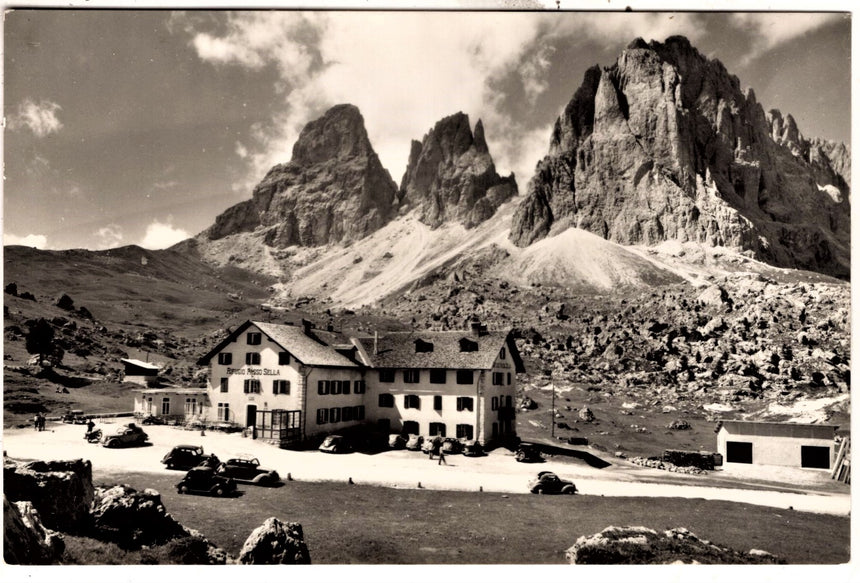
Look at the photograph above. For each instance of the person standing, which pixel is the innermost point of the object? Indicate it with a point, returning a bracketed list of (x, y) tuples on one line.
[(36, 422), (441, 456)]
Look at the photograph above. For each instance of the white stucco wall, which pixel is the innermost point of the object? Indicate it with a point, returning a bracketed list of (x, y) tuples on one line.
[(772, 450)]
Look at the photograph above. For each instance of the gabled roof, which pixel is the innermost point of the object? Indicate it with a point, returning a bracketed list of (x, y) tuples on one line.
[(141, 364), (398, 350), (305, 349)]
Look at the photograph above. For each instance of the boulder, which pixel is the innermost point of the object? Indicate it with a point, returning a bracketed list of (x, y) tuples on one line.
[(638, 545), (275, 543), (62, 491), (132, 519), (11, 289), (64, 302), (586, 414), (26, 541)]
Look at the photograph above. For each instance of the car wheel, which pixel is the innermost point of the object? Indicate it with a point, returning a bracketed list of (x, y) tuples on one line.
[(219, 491), (112, 443), (568, 490), (183, 489), (538, 490)]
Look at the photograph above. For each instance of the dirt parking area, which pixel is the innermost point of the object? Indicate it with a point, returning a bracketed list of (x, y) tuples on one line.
[(494, 472)]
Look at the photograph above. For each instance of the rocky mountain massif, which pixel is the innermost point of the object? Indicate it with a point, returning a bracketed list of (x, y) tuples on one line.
[(451, 176), (664, 145)]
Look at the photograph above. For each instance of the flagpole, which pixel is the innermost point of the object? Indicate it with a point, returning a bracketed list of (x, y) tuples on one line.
[(552, 412)]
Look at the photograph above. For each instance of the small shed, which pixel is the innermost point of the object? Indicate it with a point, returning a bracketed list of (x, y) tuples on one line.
[(139, 372), (797, 445)]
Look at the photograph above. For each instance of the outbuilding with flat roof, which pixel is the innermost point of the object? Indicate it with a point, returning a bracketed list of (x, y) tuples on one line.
[(798, 445)]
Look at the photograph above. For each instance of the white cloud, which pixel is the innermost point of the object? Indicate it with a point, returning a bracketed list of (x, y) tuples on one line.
[(108, 237), (162, 235), (769, 30), (37, 241), (40, 118), (241, 150)]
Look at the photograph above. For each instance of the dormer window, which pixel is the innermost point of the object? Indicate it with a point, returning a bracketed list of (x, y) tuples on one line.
[(423, 346), (467, 345), (254, 338)]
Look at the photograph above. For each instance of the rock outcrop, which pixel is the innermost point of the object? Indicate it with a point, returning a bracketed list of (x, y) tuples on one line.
[(451, 175), (61, 491), (131, 518), (25, 540), (334, 189), (275, 543), (664, 145), (638, 545)]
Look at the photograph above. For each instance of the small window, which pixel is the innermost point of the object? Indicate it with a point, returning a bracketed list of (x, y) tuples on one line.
[(225, 358), (252, 386), (223, 385), (336, 387), (322, 416), (502, 353), (334, 415), (283, 358), (422, 346), (386, 400), (498, 378), (411, 427), (281, 387), (359, 413), (438, 376), (467, 345), (359, 387), (494, 404), (464, 431), (346, 413), (411, 402), (437, 429), (252, 358), (323, 387), (465, 404), (437, 402), (345, 387), (509, 378), (386, 375), (411, 375), (165, 405), (508, 402), (223, 411), (465, 377), (254, 338)]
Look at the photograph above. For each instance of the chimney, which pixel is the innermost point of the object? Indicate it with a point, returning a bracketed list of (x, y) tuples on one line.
[(477, 328), (306, 326), (375, 342)]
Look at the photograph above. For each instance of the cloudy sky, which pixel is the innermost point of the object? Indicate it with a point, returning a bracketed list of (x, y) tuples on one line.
[(132, 127)]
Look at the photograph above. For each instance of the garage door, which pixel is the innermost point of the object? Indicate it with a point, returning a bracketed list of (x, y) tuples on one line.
[(815, 457), (739, 452)]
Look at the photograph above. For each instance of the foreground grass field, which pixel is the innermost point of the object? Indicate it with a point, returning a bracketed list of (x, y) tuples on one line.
[(356, 524)]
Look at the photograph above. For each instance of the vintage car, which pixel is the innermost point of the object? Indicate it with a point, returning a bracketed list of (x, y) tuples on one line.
[(452, 446), (414, 442), (204, 480), (185, 457), (244, 468), (75, 416), (335, 444), (128, 435), (153, 420), (549, 483), (473, 448), (528, 453), (396, 441)]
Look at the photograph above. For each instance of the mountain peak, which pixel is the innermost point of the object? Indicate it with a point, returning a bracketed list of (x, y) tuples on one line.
[(451, 175)]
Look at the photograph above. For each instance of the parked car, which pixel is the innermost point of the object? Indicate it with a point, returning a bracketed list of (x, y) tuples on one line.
[(452, 446), (549, 483), (396, 441), (75, 416), (245, 468), (473, 448), (528, 453), (335, 444), (414, 442), (153, 420), (185, 457), (204, 480), (427, 445), (128, 435)]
